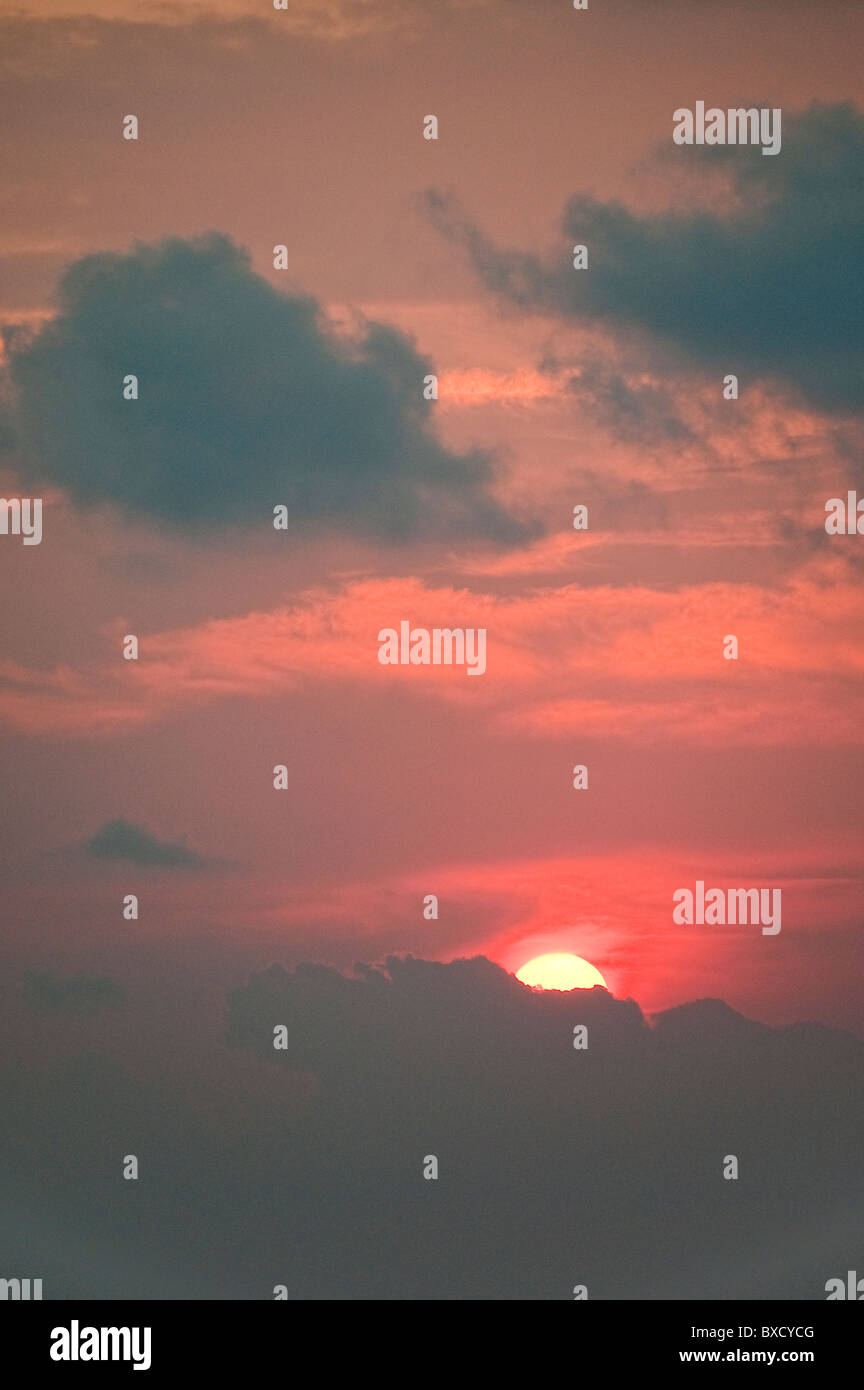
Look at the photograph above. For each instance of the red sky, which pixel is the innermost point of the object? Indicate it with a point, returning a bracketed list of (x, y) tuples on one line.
[(604, 648)]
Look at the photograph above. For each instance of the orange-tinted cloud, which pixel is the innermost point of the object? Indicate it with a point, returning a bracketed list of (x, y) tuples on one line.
[(619, 662)]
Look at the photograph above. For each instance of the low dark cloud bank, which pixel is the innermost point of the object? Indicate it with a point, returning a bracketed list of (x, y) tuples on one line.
[(772, 290), (557, 1167), (248, 400)]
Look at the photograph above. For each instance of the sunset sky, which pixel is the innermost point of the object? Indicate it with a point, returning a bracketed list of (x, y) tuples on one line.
[(303, 387)]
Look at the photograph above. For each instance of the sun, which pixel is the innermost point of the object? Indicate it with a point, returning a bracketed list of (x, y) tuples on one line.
[(560, 972)]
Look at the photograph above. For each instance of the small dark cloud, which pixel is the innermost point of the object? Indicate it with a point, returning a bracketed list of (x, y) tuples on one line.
[(248, 399), (772, 290), (74, 994), (121, 840)]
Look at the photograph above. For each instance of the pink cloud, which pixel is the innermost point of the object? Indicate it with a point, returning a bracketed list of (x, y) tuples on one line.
[(619, 662)]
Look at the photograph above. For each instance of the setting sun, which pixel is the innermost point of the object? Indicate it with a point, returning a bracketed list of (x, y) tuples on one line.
[(560, 971)]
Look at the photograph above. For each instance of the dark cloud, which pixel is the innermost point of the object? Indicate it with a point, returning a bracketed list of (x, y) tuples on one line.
[(773, 289), (74, 994), (121, 840), (304, 1167), (248, 399), (557, 1166)]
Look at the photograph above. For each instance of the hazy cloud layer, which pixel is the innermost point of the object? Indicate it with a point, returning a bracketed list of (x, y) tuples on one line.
[(610, 662), (339, 19), (248, 400), (74, 994)]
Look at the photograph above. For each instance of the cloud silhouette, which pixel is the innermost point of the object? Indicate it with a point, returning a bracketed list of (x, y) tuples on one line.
[(771, 289), (248, 400), (557, 1166), (120, 839)]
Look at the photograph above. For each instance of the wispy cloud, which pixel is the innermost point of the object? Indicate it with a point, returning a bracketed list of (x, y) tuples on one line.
[(617, 661)]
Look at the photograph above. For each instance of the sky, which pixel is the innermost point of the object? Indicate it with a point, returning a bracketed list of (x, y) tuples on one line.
[(303, 387)]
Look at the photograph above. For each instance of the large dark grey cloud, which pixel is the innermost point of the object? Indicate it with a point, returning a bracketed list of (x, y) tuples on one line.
[(248, 399), (773, 289), (121, 840), (304, 1167), (601, 1166)]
